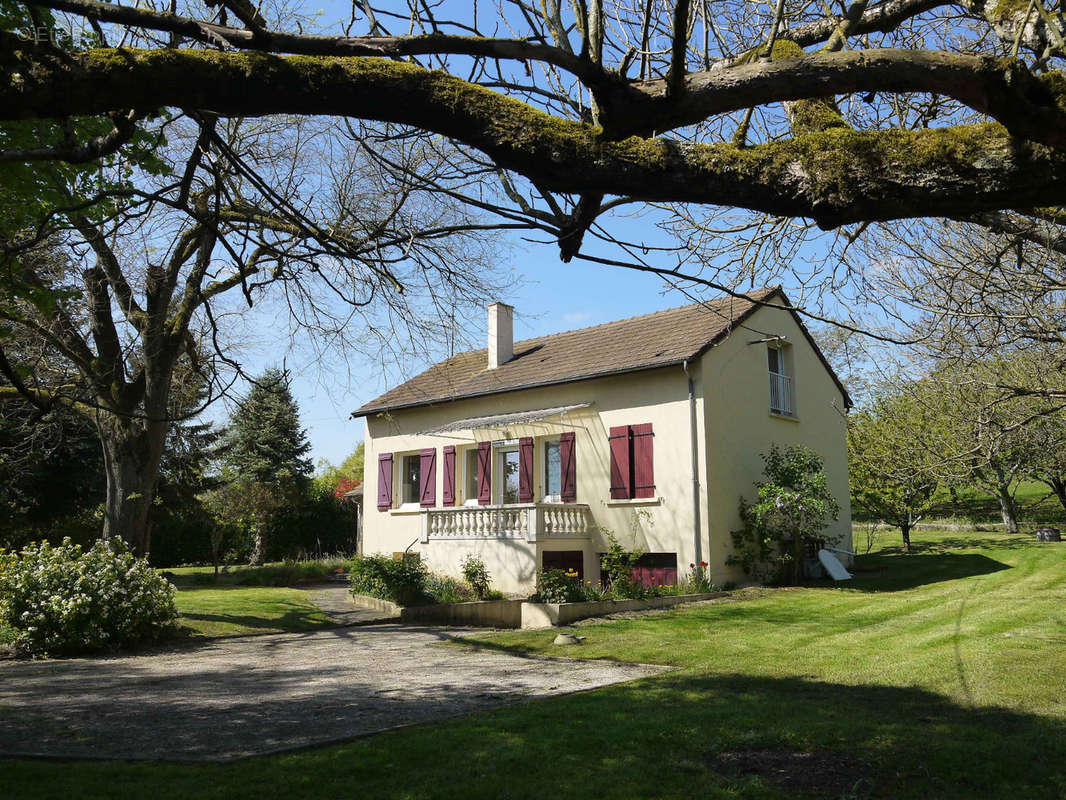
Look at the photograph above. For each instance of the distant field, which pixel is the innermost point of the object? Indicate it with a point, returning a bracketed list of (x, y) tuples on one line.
[(1038, 506)]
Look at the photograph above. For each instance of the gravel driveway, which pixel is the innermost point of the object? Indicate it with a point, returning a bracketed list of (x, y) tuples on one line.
[(238, 697)]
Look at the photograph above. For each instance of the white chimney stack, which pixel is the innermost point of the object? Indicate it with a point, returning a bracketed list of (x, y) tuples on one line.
[(501, 334)]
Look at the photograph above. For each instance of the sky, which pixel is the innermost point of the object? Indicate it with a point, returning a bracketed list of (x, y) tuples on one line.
[(549, 296)]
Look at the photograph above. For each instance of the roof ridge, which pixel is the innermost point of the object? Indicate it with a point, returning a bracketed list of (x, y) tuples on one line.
[(754, 296), (676, 333)]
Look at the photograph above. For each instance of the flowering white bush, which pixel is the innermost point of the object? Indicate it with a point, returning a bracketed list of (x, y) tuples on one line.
[(67, 600)]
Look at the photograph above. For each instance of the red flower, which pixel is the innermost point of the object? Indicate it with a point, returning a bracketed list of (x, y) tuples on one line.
[(344, 485), (703, 563), (692, 566)]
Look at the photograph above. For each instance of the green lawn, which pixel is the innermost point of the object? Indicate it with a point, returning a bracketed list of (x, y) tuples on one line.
[(937, 674), (235, 610), (246, 600)]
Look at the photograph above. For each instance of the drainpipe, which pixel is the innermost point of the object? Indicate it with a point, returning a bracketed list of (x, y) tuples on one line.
[(697, 544)]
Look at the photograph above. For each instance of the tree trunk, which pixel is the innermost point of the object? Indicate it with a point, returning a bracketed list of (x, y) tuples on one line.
[(258, 548), (1008, 509), (1058, 486), (131, 460), (905, 527)]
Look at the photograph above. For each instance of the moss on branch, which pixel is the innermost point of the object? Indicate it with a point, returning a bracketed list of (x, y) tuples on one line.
[(829, 172)]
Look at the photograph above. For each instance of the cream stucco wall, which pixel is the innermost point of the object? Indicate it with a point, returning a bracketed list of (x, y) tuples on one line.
[(733, 427), (740, 427), (663, 524)]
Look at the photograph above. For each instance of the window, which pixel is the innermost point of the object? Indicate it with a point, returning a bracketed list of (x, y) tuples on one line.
[(470, 483), (410, 478), (779, 361), (632, 462), (553, 471), (507, 472)]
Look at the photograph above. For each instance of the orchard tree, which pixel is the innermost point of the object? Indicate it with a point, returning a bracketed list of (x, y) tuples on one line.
[(982, 437), (1048, 453), (891, 470)]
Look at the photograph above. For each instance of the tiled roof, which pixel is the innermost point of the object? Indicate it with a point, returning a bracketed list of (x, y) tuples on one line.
[(627, 345)]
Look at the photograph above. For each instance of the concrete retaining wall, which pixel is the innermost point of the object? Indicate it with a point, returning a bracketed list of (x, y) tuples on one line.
[(378, 604), (519, 613), (484, 613), (546, 615)]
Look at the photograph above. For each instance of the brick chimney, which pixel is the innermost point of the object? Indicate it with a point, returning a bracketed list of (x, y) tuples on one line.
[(501, 334)]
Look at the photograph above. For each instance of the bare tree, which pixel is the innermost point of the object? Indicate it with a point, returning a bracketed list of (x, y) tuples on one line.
[(125, 287)]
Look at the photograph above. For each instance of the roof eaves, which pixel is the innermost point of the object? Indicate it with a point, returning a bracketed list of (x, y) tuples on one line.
[(366, 412)]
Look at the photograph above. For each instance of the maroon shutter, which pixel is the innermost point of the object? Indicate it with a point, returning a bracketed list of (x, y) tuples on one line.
[(427, 478), (568, 459), (643, 461), (484, 473), (448, 492), (384, 481), (620, 465), (525, 470)]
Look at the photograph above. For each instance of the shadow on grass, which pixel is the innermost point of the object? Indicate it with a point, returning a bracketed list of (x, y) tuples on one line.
[(294, 620), (679, 735), (890, 573)]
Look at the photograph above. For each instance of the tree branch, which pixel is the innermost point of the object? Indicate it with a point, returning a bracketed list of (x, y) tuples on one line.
[(836, 176)]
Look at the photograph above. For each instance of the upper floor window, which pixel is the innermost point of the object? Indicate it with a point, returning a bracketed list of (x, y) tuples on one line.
[(410, 476), (632, 449), (553, 471), (779, 361)]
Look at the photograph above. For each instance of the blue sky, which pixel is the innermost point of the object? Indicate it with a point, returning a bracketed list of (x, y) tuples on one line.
[(549, 297)]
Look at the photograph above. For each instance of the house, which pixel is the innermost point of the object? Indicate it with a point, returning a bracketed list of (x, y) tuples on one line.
[(652, 428), (354, 496)]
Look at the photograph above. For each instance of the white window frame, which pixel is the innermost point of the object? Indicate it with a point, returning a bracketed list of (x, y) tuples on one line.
[(499, 452), (401, 459), (469, 497), (546, 497)]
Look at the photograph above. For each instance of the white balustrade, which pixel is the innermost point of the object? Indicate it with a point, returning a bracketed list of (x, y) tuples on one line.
[(525, 521)]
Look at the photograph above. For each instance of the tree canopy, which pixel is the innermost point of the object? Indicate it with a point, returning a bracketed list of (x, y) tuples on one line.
[(749, 131)]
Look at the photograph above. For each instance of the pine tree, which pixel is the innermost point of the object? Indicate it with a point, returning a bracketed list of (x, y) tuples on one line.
[(264, 447), (264, 441)]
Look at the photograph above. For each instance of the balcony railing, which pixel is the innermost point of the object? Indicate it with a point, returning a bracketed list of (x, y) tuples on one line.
[(529, 521), (781, 395)]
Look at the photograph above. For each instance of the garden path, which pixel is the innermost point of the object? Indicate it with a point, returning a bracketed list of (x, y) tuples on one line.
[(336, 601)]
